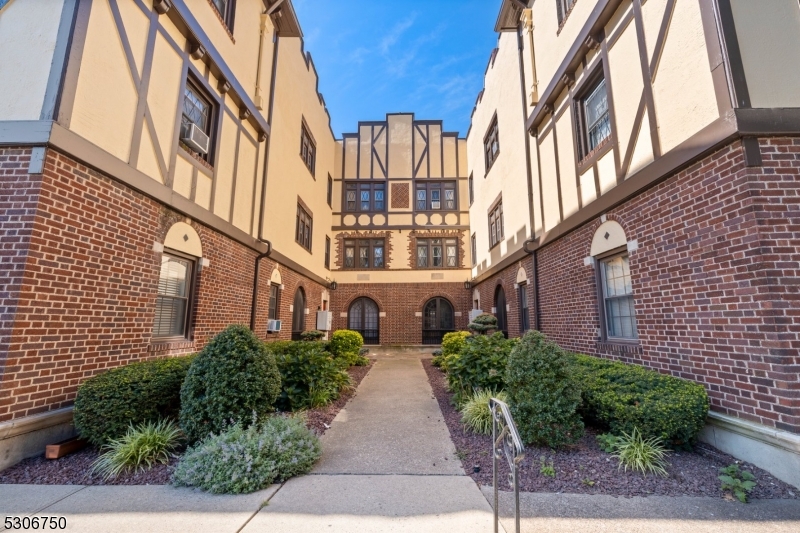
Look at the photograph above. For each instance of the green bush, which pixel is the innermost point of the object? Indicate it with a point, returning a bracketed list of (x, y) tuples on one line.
[(483, 324), (476, 414), (140, 448), (346, 345), (542, 394), (454, 342), (232, 378), (246, 459), (107, 404), (310, 377), (622, 397), (312, 335), (480, 365)]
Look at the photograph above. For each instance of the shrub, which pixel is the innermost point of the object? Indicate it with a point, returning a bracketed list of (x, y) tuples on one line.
[(480, 365), (310, 377), (739, 483), (107, 404), (607, 442), (246, 459), (140, 448), (483, 324), (279, 347), (232, 378), (637, 453), (542, 395), (346, 344), (622, 397), (311, 335), (454, 342), (476, 415)]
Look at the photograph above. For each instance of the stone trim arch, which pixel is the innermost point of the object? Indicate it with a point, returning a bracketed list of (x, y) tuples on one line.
[(182, 237)]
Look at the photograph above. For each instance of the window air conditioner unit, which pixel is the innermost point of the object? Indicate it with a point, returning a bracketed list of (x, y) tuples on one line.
[(195, 138), (273, 326)]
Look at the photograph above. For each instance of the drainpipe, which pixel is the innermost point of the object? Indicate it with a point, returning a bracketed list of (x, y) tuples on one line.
[(254, 303)]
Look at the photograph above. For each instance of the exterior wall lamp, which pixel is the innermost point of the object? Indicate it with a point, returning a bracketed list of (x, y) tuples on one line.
[(332, 285), (468, 284)]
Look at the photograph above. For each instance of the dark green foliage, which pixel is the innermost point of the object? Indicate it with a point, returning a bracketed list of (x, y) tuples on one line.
[(310, 377), (622, 397), (346, 344), (607, 442), (739, 483), (233, 377), (483, 324), (542, 394), (480, 366), (311, 335), (109, 403)]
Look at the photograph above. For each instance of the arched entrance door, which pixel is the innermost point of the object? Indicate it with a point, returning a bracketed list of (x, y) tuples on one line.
[(363, 318), (437, 319), (298, 314), (501, 311)]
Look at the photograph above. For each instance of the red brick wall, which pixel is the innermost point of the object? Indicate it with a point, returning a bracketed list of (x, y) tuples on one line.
[(715, 279), (507, 278), (86, 300), (400, 302)]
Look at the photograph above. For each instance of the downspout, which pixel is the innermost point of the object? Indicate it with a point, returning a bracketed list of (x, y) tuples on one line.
[(254, 303)]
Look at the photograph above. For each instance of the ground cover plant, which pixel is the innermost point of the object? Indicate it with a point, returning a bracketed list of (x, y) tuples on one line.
[(310, 377), (108, 403), (243, 459), (543, 396), (233, 377), (738, 482), (140, 448), (480, 365)]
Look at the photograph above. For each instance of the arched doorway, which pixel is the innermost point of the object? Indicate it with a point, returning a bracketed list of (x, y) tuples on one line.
[(438, 318), (298, 314), (363, 318), (501, 311)]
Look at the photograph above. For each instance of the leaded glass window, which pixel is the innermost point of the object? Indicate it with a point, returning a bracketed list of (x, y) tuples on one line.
[(370, 254), (365, 197), (437, 253)]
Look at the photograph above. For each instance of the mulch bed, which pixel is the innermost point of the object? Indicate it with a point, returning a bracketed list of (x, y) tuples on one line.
[(74, 468), (586, 469)]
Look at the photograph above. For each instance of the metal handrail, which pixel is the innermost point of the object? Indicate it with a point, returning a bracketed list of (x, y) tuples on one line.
[(505, 440)]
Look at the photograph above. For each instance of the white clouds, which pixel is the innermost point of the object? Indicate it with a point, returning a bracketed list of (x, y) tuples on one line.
[(396, 32)]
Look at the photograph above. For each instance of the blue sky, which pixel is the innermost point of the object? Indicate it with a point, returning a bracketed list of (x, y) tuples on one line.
[(380, 56)]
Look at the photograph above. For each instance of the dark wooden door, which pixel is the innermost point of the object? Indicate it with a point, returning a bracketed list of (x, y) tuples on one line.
[(438, 318), (501, 312), (363, 317), (298, 314)]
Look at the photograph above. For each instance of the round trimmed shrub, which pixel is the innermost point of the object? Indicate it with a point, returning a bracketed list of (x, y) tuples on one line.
[(543, 396), (346, 344), (233, 378), (483, 324), (109, 403), (311, 335)]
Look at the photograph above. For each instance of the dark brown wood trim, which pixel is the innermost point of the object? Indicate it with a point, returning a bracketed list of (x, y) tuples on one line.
[(716, 57), (176, 132), (157, 147), (596, 173), (292, 265), (58, 66), (558, 171), (734, 54), (528, 170), (652, 121), (752, 152), (658, 49), (504, 263), (612, 113), (409, 227), (541, 187), (69, 83), (632, 140), (232, 205), (24, 132), (768, 122)]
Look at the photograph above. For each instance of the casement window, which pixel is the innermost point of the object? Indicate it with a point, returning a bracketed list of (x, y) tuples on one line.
[(327, 252), (563, 7), (173, 302), (436, 196), (491, 144), (437, 253), (197, 110), (474, 250), (303, 231), (618, 315), (471, 190), (595, 122), (330, 191), (524, 312), (226, 10), (364, 254), (367, 197), (274, 294), (496, 231), (308, 150)]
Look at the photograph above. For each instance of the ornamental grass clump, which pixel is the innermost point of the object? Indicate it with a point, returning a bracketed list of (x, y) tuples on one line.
[(140, 448), (640, 454), (476, 414), (241, 459)]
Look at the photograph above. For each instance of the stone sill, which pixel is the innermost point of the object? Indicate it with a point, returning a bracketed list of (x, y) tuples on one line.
[(29, 424), (775, 437)]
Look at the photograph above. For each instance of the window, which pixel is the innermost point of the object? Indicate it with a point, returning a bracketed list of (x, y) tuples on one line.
[(197, 110), (524, 312), (308, 150), (436, 196), (273, 301), (594, 117), (365, 197), (364, 254), (471, 190), (564, 7), (496, 225), (491, 144), (226, 9), (437, 253), (474, 251), (174, 297), (327, 252), (303, 230), (330, 190), (617, 298)]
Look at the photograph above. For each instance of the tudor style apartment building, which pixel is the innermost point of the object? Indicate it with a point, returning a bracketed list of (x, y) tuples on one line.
[(628, 186)]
